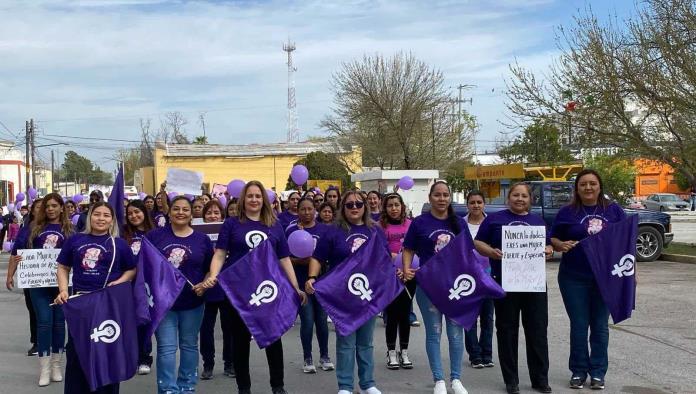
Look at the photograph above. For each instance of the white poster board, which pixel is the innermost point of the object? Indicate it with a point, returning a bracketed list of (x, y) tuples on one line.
[(524, 259), (37, 268), (184, 181)]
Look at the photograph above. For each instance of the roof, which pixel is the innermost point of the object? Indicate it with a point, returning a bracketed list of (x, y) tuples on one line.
[(394, 174), (276, 149)]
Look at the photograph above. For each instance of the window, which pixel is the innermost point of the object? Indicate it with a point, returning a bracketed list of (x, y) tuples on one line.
[(557, 195)]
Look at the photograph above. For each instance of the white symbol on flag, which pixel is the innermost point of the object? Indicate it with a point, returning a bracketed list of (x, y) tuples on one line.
[(266, 292), (359, 285), (107, 332), (150, 298), (625, 266), (463, 286)]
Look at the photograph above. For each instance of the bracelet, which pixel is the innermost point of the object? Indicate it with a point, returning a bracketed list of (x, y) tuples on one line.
[(312, 277)]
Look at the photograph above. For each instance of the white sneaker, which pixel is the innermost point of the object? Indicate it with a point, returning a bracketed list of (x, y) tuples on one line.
[(309, 367), (143, 369), (371, 390), (344, 392), (392, 360), (440, 387), (326, 365), (404, 360), (458, 387)]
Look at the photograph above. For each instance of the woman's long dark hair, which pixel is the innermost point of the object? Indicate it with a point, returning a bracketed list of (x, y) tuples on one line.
[(129, 229), (384, 216), (576, 202), (41, 220), (451, 215)]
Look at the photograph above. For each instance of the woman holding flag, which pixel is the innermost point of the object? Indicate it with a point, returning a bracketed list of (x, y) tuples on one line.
[(532, 306), (587, 214), (190, 252), (255, 224), (428, 234), (354, 228), (98, 258)]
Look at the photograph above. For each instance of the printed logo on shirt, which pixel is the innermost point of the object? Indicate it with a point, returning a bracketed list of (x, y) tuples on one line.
[(593, 223), (51, 241), (517, 223), (254, 238), (441, 238), (135, 247), (161, 221), (356, 241), (91, 257), (177, 254)]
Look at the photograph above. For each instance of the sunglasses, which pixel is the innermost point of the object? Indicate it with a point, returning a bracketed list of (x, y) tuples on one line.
[(318, 200), (354, 205)]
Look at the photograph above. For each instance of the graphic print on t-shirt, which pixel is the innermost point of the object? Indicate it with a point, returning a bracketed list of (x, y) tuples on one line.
[(356, 241), (517, 223), (135, 247), (176, 254), (161, 221), (441, 238), (254, 238), (593, 223), (51, 241), (91, 257)]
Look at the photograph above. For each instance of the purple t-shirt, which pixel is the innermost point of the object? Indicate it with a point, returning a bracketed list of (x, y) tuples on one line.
[(428, 235), (376, 216), (286, 219), (159, 219), (338, 244), (90, 257), (191, 255), (317, 231), (491, 232), (51, 237), (577, 224)]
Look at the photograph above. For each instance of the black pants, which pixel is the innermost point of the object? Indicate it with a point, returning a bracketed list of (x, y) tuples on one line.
[(534, 310), (75, 381), (398, 313), (241, 343), (207, 335), (32, 316)]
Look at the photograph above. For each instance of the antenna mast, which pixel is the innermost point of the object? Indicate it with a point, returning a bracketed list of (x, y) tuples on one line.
[(293, 133)]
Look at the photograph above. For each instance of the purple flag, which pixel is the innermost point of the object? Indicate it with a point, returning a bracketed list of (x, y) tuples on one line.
[(118, 194), (258, 288), (360, 287), (611, 254), (103, 330), (157, 285), (456, 282)]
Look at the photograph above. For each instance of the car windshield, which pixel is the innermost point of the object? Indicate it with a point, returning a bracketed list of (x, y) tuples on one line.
[(668, 198)]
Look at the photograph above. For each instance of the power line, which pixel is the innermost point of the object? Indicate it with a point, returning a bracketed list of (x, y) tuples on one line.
[(92, 138)]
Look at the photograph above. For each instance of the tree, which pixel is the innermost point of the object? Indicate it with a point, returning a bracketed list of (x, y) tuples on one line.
[(629, 84), (323, 166), (81, 169), (171, 130), (618, 176), (131, 163), (147, 145), (201, 140), (539, 143), (399, 113)]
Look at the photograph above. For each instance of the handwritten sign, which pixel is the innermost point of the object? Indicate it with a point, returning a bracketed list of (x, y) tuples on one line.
[(524, 260), (210, 229), (184, 181), (37, 268), (218, 190)]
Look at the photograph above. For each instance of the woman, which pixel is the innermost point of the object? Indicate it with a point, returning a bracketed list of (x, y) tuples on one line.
[(327, 213), (353, 229), (71, 208), (190, 252), (198, 205), (234, 241), (428, 234), (480, 349), (395, 225), (214, 299), (532, 306), (333, 196), (206, 197), (588, 213), (311, 313), (139, 223), (161, 211), (49, 230), (289, 216), (232, 209), (309, 194), (374, 203), (149, 204), (113, 263), (318, 200)]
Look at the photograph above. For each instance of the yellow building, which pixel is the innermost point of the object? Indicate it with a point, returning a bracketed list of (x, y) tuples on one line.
[(268, 163)]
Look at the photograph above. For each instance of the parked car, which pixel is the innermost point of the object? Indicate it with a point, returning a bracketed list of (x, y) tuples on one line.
[(654, 228), (665, 202)]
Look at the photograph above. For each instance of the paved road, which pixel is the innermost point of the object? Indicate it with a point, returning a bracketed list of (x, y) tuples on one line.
[(653, 353)]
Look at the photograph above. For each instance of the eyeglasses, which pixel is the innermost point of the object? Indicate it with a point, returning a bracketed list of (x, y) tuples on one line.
[(354, 205), (318, 200)]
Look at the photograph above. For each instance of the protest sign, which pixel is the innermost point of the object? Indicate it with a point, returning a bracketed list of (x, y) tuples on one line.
[(218, 190), (524, 259), (210, 229), (184, 181), (37, 268)]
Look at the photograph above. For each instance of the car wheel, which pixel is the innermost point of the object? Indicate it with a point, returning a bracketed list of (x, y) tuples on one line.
[(662, 209), (649, 244)]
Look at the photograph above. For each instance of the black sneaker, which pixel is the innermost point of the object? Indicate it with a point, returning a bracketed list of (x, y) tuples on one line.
[(542, 388), (33, 351), (207, 373), (597, 384), (577, 382), (279, 390), (512, 389), (477, 364), (229, 370), (244, 391)]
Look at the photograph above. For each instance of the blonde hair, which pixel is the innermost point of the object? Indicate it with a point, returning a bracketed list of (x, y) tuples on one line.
[(268, 218), (113, 230)]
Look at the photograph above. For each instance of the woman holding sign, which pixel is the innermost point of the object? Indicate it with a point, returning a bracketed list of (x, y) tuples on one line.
[(255, 224), (532, 305), (98, 258), (48, 230), (428, 234), (588, 213)]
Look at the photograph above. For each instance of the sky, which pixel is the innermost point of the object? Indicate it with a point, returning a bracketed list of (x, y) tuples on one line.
[(86, 71)]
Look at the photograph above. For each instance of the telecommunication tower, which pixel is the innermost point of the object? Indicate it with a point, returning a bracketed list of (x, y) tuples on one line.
[(293, 133)]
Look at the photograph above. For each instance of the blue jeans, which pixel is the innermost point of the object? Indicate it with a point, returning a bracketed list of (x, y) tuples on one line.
[(586, 310), (180, 327), (432, 320), (50, 322), (480, 348), (357, 344), (312, 314)]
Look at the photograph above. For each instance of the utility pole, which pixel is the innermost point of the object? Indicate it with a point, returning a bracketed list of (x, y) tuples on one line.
[(53, 172), (27, 142), (33, 150), (293, 133)]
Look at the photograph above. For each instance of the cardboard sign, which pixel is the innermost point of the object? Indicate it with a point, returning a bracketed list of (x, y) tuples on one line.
[(37, 268), (218, 190), (211, 229), (524, 259), (184, 181)]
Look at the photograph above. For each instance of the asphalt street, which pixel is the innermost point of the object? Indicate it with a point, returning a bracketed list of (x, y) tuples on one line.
[(652, 353)]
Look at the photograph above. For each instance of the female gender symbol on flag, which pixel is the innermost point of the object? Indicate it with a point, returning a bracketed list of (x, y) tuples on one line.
[(359, 285)]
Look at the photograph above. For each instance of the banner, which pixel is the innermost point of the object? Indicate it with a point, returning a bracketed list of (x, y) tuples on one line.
[(360, 287), (210, 229), (611, 254), (103, 331), (257, 287), (37, 268), (184, 181), (523, 267), (455, 281)]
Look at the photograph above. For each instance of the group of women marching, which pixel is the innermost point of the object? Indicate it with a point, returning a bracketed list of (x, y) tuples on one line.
[(103, 253)]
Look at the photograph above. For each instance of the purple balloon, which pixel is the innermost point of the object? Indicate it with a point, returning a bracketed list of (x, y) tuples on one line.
[(405, 183), (11, 207), (189, 197), (74, 219), (7, 246), (223, 201), (0, 225), (235, 187), (142, 195), (77, 198), (299, 174), (301, 244), (398, 261), (20, 197), (172, 195), (32, 193), (271, 195)]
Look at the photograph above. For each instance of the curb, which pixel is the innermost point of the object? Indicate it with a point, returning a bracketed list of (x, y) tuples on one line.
[(678, 258)]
